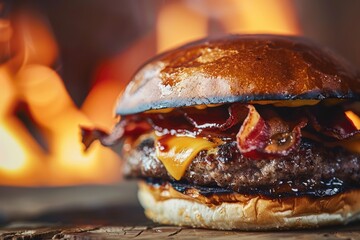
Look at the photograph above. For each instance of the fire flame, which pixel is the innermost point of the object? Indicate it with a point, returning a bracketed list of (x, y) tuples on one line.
[(354, 118), (26, 77), (12, 150), (259, 16), (178, 24), (182, 21)]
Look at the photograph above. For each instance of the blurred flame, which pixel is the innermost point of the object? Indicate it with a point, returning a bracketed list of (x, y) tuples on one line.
[(262, 16), (182, 21), (353, 144), (26, 77), (6, 33), (354, 118), (56, 113), (102, 96), (5, 30), (12, 150), (36, 44), (111, 79), (177, 24)]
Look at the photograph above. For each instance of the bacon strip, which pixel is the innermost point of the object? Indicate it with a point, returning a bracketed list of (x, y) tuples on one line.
[(253, 134), (173, 123), (89, 135), (217, 117), (260, 139), (269, 133), (123, 128), (332, 122)]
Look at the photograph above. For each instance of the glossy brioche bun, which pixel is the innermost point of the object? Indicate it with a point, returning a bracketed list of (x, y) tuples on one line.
[(249, 213), (239, 68)]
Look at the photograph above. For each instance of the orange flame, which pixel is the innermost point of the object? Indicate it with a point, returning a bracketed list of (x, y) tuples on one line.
[(354, 143), (178, 24), (13, 150), (261, 16), (354, 118), (182, 21), (26, 77)]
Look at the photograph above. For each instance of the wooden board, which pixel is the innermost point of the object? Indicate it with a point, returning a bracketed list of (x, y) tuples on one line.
[(171, 232)]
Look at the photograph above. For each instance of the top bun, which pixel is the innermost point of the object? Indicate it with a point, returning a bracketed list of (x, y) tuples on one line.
[(239, 68)]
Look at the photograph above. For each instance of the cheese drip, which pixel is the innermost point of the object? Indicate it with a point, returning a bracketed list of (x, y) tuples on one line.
[(177, 152)]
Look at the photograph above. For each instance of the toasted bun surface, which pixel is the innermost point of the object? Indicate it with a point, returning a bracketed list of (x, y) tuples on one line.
[(250, 213), (239, 68)]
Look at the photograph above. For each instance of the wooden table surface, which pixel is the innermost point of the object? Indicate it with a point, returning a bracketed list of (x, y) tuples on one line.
[(152, 231), (112, 212)]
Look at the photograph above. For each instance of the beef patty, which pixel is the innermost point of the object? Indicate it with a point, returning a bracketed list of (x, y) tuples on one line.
[(312, 166)]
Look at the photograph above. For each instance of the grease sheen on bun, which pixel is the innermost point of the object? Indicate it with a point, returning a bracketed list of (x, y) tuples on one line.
[(239, 68), (250, 212)]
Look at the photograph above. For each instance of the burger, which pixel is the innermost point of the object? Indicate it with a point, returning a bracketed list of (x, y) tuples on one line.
[(248, 132)]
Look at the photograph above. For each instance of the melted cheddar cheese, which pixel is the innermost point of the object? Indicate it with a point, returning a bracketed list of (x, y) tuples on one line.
[(177, 152)]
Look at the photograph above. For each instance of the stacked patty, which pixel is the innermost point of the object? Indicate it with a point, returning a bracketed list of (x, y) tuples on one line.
[(313, 169)]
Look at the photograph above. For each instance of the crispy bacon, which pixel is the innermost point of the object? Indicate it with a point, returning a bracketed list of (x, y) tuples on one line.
[(209, 122), (173, 123), (217, 117), (259, 139), (253, 134), (123, 128), (89, 135), (332, 122), (265, 131)]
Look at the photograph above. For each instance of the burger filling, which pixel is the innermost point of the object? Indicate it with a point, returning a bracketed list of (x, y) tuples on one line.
[(270, 149)]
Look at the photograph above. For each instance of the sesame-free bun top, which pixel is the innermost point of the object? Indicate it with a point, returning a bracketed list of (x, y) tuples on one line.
[(239, 68)]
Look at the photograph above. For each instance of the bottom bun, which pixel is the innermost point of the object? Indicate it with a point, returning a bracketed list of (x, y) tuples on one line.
[(167, 206)]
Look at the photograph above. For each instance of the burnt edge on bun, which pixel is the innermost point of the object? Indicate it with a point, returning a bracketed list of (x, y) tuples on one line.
[(327, 188), (248, 212), (240, 68)]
